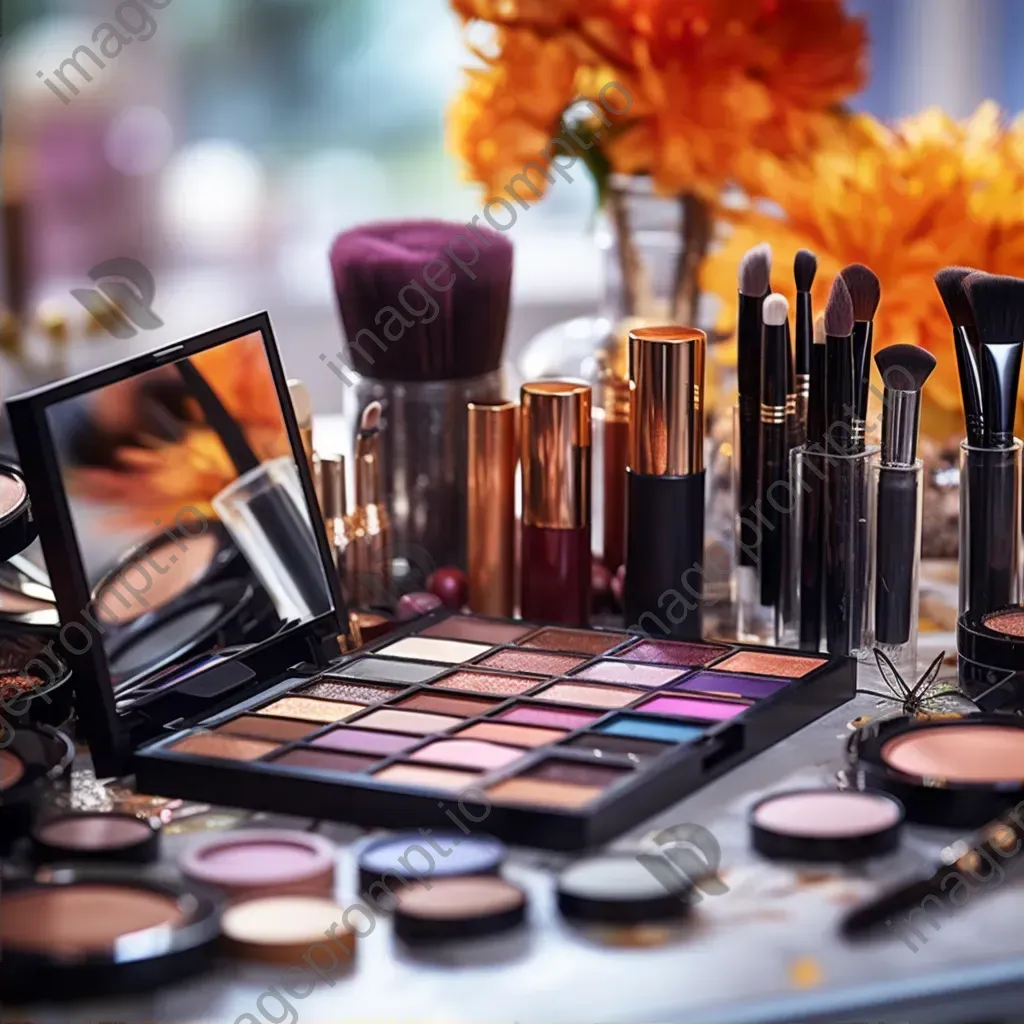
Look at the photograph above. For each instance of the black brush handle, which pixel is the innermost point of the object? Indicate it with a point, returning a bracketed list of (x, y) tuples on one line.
[(774, 456), (894, 557), (750, 429), (841, 518), (994, 507), (812, 494)]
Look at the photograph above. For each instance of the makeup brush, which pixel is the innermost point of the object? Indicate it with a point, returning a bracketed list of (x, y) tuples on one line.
[(904, 370), (774, 445), (950, 283), (805, 266), (865, 292), (812, 494), (754, 273), (368, 555), (841, 475)]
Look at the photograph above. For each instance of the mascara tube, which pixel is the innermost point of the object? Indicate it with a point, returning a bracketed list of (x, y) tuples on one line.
[(555, 451), (665, 490)]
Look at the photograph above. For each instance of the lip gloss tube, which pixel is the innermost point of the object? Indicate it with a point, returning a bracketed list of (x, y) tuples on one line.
[(555, 452), (665, 504)]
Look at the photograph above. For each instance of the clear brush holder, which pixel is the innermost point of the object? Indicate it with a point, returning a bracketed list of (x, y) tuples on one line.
[(899, 492), (423, 454), (990, 527), (831, 550)]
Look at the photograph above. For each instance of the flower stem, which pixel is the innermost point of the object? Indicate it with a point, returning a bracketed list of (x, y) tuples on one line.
[(697, 226)]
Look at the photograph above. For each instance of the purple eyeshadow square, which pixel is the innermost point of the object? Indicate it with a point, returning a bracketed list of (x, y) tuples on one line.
[(683, 707), (753, 687), (673, 652)]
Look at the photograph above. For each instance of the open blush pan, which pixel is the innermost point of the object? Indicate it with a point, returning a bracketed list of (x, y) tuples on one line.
[(96, 836)]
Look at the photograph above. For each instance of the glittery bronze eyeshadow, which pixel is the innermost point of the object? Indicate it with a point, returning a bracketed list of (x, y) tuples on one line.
[(1009, 623), (763, 663), (538, 662), (579, 641), (499, 684)]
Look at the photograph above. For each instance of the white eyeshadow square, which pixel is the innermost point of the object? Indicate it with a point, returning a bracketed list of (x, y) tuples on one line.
[(448, 652), (630, 673)]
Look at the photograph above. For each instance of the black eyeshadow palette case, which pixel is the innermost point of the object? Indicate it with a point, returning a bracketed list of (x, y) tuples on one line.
[(544, 736)]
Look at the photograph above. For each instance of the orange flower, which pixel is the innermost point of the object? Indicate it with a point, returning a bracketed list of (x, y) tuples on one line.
[(905, 201), (709, 83)]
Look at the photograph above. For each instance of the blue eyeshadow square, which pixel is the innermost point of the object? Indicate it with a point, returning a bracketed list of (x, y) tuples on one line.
[(751, 687), (650, 729)]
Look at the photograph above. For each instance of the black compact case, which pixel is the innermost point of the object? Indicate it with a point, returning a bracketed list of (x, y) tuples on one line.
[(990, 663), (206, 728)]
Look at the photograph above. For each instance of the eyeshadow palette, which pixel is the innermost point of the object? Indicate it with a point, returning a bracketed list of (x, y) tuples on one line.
[(560, 738)]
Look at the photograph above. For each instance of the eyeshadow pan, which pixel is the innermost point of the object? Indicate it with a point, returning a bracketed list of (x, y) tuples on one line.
[(354, 693), (554, 718), (497, 683), (673, 652), (609, 745), (429, 778), (579, 641), (540, 792), (589, 696), (445, 705), (231, 748), (578, 773), (310, 710), (450, 652), (324, 760), (364, 741), (263, 727), (965, 753), (515, 735), (459, 753), (763, 663), (649, 729), (418, 723), (386, 670), (629, 673), (538, 662), (728, 684), (692, 707), (1008, 623), (480, 631)]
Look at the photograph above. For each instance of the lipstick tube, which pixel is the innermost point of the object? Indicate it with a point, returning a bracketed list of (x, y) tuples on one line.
[(665, 490), (491, 507), (555, 431)]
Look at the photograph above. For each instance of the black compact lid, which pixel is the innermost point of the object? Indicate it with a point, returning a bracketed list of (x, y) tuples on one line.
[(45, 424), (29, 974), (40, 757), (933, 800), (983, 645), (100, 836), (17, 524), (793, 841), (619, 888)]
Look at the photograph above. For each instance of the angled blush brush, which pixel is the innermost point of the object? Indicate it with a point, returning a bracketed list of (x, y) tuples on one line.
[(865, 293), (950, 283)]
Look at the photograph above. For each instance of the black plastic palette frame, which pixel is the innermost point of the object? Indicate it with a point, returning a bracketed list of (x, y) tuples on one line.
[(362, 799)]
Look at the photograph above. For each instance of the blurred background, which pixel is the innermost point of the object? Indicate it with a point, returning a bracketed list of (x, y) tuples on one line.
[(227, 149)]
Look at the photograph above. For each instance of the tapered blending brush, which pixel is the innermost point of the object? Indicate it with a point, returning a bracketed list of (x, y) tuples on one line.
[(754, 273), (904, 370), (774, 444), (805, 266), (865, 292), (950, 283), (812, 496), (841, 476)]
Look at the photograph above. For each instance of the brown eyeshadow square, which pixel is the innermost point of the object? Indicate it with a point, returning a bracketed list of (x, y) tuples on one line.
[(541, 793), (579, 641), (539, 663), (765, 663), (594, 696), (263, 727), (475, 630), (514, 735), (230, 748), (354, 693), (443, 704), (324, 760), (577, 773), (498, 684), (310, 710), (636, 750)]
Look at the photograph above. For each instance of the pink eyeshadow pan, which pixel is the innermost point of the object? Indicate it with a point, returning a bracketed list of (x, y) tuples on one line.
[(629, 673), (552, 718), (589, 696), (364, 741), (671, 652), (538, 662), (476, 754), (702, 710), (496, 683)]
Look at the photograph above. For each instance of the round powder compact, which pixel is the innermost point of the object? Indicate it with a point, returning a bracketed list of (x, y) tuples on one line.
[(619, 889), (990, 658), (17, 526), (952, 772), (458, 908), (95, 835), (281, 929), (826, 825), (263, 862), (413, 856)]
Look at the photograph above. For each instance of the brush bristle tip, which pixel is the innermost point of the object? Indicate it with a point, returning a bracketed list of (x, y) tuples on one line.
[(775, 310)]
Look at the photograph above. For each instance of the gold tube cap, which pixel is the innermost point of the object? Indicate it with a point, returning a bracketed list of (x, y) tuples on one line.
[(555, 446), (667, 402)]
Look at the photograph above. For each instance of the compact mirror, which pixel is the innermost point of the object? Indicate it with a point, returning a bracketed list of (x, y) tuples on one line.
[(192, 521)]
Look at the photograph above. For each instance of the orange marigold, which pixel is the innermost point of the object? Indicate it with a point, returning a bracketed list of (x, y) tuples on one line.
[(710, 83), (905, 201)]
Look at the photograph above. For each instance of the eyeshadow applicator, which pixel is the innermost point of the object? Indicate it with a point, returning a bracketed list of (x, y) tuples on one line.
[(805, 266), (950, 283), (904, 370), (865, 293)]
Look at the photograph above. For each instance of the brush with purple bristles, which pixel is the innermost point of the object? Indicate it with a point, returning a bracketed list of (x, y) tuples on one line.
[(422, 300)]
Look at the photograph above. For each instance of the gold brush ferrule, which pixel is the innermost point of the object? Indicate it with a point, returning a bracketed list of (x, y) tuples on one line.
[(775, 413)]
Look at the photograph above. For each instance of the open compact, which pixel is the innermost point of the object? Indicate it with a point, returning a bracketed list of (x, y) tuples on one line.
[(990, 658), (96, 836), (952, 772)]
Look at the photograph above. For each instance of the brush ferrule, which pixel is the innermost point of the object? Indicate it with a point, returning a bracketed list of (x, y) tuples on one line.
[(774, 413), (901, 417), (803, 385)]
